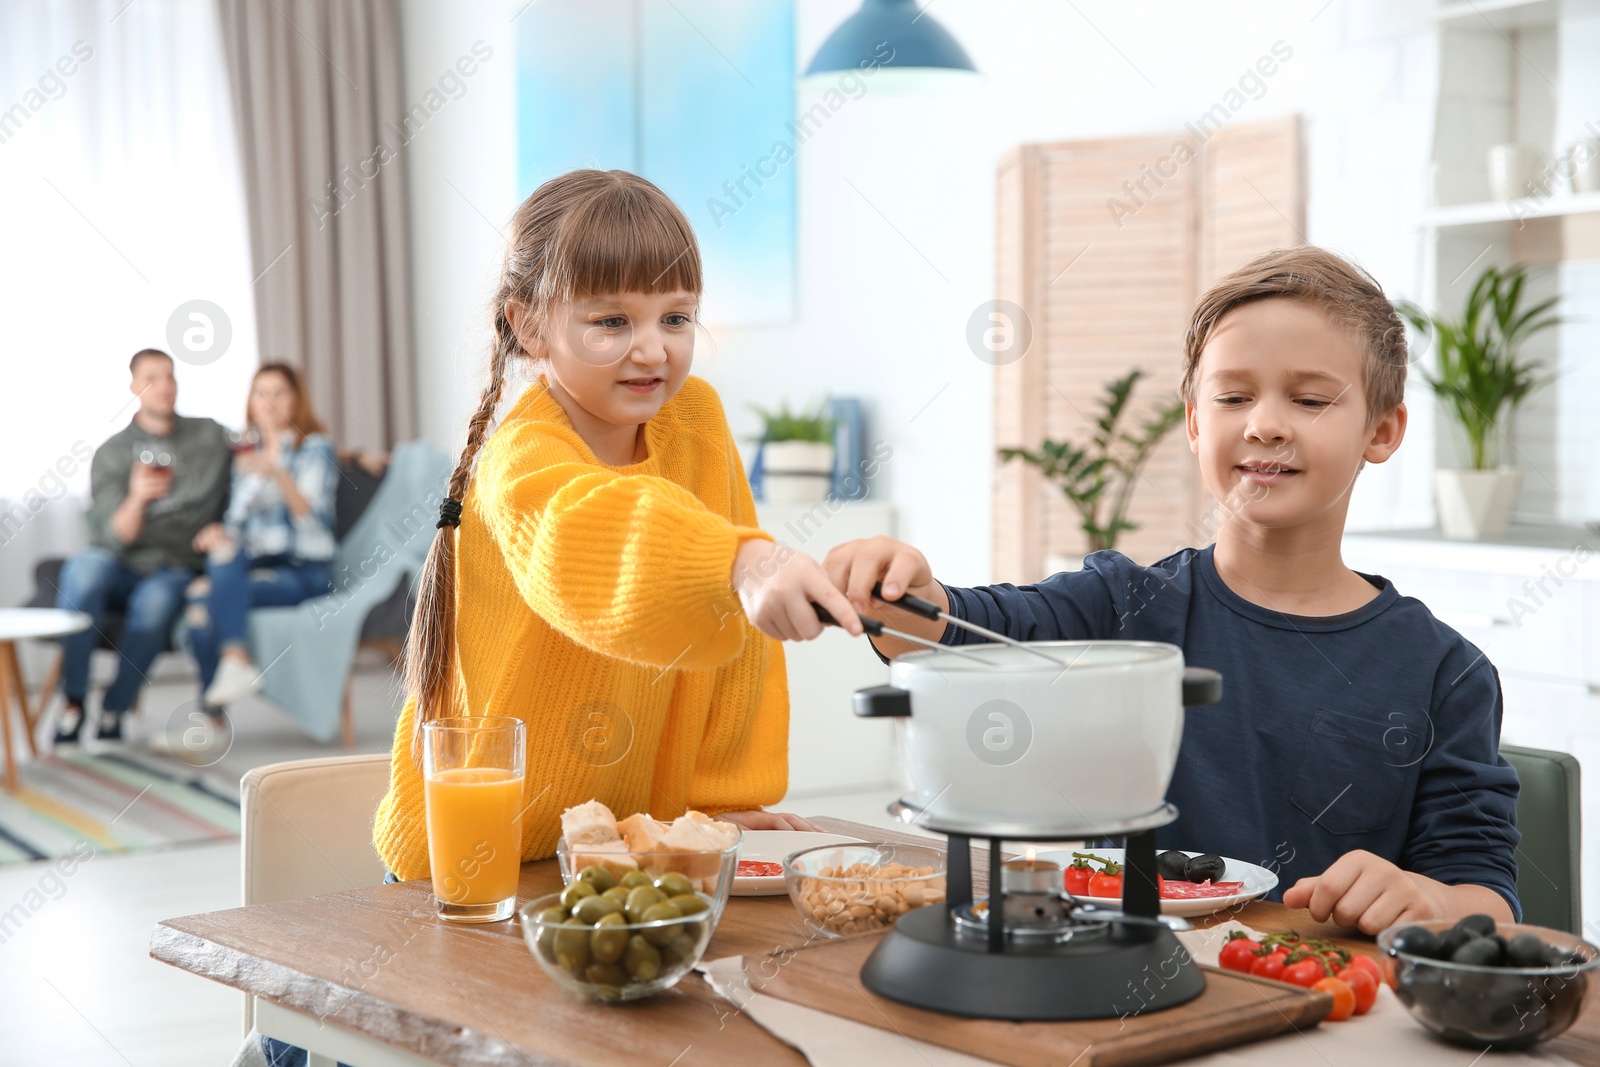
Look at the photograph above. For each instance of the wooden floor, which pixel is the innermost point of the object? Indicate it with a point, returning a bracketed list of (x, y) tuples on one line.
[(77, 986)]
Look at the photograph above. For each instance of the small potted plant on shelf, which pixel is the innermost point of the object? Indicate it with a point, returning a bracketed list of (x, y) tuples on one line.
[(1098, 479), (1482, 379), (796, 454)]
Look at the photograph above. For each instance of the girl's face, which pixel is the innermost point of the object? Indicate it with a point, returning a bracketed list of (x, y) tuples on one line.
[(623, 355), (272, 402)]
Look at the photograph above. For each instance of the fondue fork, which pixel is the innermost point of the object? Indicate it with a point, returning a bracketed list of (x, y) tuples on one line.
[(876, 628), (929, 610)]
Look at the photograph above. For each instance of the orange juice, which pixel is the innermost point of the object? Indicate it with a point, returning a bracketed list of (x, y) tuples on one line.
[(474, 833)]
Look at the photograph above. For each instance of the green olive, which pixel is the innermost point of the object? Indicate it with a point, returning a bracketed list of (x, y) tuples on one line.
[(681, 949), (572, 947), (576, 892), (549, 919), (641, 899), (634, 878), (618, 893), (688, 904), (660, 935), (598, 877), (674, 884), (592, 909), (642, 959), (607, 943), (606, 974)]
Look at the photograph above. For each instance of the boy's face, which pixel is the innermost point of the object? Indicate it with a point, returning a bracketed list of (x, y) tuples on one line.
[(1279, 419), (622, 356), (155, 385)]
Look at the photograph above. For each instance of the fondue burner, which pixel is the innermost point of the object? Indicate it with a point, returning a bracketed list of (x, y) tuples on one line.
[(1036, 956)]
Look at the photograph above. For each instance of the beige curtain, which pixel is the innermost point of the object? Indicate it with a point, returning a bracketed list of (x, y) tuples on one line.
[(320, 106)]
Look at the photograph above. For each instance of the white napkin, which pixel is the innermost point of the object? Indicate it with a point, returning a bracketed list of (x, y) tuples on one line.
[(1385, 1035)]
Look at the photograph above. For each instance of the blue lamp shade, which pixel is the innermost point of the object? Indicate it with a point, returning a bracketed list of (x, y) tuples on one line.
[(916, 39)]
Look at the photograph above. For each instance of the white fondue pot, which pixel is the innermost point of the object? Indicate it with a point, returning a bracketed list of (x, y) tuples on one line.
[(997, 735)]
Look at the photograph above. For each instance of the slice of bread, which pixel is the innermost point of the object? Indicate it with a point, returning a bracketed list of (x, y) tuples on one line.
[(612, 855), (589, 824), (641, 832)]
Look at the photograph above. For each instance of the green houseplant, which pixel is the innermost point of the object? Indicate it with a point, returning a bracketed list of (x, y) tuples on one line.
[(796, 453), (1483, 379), (1098, 479)]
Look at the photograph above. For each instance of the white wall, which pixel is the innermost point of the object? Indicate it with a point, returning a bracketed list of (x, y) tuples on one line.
[(896, 211)]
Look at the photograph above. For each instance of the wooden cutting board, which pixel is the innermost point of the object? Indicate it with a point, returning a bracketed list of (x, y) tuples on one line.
[(1235, 1009)]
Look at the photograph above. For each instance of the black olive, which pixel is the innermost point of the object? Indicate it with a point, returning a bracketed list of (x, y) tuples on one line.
[(1477, 925), (1479, 952), (1526, 950), (1451, 940), (1170, 865), (1416, 941), (1210, 866)]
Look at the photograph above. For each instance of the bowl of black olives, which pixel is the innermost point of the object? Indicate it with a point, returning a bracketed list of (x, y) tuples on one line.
[(617, 941), (1480, 983)]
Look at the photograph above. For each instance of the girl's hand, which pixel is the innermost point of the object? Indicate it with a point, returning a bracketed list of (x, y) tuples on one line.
[(256, 461), (777, 587), (756, 819)]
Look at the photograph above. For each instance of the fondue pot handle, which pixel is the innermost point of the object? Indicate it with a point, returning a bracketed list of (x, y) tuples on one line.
[(1200, 686), (883, 702)]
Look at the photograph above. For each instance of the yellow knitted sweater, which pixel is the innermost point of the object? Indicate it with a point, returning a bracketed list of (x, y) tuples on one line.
[(595, 603)]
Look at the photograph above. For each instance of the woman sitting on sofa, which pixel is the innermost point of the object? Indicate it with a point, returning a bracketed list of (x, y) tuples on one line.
[(273, 547)]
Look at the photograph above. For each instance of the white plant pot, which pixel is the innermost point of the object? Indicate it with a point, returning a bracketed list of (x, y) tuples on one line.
[(1513, 169), (796, 472), (1475, 505)]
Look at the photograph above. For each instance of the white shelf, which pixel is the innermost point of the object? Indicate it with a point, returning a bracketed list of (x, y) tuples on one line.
[(1502, 15), (1495, 211)]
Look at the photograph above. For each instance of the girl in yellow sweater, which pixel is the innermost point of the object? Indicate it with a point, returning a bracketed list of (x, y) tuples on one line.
[(607, 583)]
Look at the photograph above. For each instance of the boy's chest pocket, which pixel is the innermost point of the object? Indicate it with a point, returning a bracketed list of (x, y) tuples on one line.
[(1353, 772)]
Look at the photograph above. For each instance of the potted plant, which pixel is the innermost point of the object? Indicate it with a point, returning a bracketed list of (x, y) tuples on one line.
[(1482, 380), (1098, 479), (796, 454)]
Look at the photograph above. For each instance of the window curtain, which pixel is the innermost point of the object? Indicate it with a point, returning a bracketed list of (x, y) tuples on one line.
[(120, 180), (319, 105)]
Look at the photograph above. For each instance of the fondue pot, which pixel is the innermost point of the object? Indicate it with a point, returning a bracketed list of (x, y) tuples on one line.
[(1067, 735)]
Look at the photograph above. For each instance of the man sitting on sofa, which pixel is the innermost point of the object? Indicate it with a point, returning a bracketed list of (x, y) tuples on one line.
[(153, 486)]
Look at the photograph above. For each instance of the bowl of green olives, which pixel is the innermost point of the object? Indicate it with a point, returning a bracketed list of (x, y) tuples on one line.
[(709, 871), (618, 940), (1479, 983)]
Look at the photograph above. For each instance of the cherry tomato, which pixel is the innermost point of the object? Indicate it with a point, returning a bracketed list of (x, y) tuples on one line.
[(1270, 966), (1102, 884), (1307, 972), (1363, 985), (1344, 999), (1077, 878), (1238, 955), (1368, 964)]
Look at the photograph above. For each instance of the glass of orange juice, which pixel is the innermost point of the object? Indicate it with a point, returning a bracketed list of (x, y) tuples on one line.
[(472, 789)]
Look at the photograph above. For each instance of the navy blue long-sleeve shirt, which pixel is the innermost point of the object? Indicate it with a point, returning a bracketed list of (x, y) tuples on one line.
[(1378, 729)]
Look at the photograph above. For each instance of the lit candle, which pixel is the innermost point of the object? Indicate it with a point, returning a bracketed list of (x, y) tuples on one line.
[(1030, 875)]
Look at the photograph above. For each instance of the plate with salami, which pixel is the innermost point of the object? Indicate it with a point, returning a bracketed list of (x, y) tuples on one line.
[(1207, 893), (761, 853)]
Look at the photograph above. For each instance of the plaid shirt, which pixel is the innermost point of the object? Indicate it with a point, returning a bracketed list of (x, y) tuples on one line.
[(259, 518)]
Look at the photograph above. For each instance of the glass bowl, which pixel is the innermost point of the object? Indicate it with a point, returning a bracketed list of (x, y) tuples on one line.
[(841, 890), (710, 872), (615, 960), (1503, 1008)]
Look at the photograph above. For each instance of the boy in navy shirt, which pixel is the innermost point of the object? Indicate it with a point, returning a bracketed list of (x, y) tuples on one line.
[(1356, 748)]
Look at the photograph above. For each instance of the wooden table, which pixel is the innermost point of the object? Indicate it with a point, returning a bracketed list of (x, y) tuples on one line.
[(27, 624), (372, 977)]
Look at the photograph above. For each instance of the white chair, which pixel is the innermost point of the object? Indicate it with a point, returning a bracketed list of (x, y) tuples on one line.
[(307, 830)]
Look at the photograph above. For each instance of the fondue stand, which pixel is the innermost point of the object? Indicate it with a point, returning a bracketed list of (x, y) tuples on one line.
[(1028, 951)]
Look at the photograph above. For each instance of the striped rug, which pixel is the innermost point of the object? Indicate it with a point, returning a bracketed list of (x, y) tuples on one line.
[(116, 801)]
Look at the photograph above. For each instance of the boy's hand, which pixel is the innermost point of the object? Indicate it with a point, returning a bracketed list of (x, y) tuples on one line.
[(1370, 893), (856, 566), (756, 819), (777, 587)]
